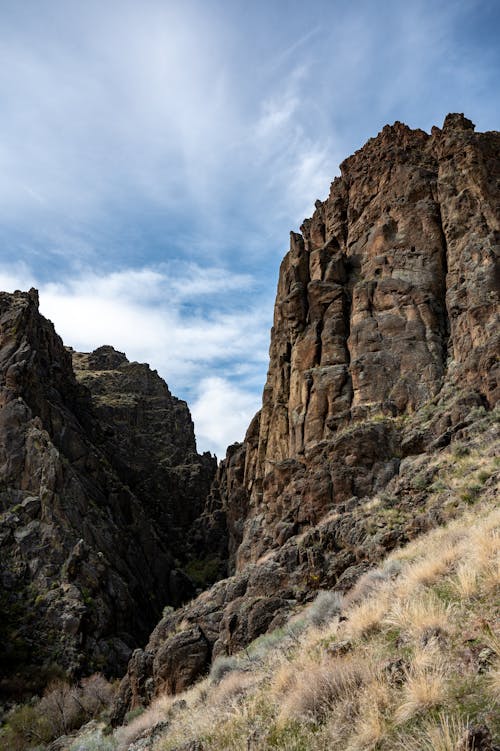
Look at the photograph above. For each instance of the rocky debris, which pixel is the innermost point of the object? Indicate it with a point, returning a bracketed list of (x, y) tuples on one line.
[(99, 479), (384, 346)]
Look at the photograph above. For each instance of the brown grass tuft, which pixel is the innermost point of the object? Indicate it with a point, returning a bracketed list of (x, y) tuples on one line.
[(426, 685), (424, 615), (326, 684)]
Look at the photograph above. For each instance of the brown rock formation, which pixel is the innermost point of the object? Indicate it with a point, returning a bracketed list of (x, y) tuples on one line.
[(384, 348), (389, 294), (99, 478)]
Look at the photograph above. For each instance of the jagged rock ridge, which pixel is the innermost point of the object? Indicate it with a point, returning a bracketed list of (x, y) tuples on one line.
[(95, 472), (384, 346), (389, 293)]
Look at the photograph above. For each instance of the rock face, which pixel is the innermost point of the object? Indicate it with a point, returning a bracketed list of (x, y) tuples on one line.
[(99, 479), (385, 342), (389, 294)]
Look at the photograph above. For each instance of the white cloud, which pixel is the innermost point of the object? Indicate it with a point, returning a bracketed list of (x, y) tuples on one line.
[(155, 315), (222, 413)]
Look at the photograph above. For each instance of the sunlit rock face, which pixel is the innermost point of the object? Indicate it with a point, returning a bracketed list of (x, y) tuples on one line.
[(99, 483), (388, 295)]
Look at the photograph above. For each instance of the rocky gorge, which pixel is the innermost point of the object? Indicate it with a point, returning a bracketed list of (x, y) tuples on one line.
[(383, 360)]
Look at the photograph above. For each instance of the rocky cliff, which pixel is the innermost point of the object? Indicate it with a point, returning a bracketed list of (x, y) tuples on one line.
[(99, 482), (384, 353), (383, 369)]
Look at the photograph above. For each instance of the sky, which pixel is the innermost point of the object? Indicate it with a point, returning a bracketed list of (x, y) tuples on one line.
[(155, 154)]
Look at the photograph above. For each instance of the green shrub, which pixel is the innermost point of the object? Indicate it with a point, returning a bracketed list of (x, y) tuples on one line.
[(132, 714), (221, 666), (471, 493), (325, 607), (25, 726), (203, 571)]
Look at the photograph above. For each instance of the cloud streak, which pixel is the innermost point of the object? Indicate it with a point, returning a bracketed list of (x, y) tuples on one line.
[(155, 155)]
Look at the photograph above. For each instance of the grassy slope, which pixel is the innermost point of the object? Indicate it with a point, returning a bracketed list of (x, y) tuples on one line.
[(412, 659), (406, 660)]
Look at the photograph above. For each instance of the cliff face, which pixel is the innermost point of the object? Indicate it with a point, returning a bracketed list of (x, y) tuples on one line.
[(94, 476), (383, 356), (387, 296)]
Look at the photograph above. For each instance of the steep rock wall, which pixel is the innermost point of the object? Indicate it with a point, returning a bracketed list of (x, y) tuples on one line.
[(88, 548), (389, 293)]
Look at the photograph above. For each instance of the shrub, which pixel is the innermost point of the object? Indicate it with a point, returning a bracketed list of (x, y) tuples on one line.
[(62, 708), (95, 694), (203, 571), (221, 666), (94, 742), (372, 581), (325, 607), (25, 726)]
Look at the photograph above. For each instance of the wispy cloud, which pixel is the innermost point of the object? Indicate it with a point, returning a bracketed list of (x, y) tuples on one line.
[(170, 147)]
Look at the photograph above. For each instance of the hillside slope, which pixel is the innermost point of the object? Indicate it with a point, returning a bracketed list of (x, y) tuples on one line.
[(409, 658)]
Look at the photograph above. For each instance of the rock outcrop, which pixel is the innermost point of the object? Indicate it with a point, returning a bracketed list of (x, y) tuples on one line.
[(384, 348), (99, 481)]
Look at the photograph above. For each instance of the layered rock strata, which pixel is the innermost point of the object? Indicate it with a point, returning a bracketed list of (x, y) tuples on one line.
[(99, 478), (384, 348)]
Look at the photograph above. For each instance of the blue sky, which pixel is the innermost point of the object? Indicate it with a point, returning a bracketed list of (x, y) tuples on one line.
[(154, 156)]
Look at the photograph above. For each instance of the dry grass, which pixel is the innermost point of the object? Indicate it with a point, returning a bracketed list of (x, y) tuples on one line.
[(428, 570), (408, 626), (365, 618), (447, 734), (426, 685), (231, 688), (328, 683), (494, 682), (372, 720), (156, 712), (420, 615)]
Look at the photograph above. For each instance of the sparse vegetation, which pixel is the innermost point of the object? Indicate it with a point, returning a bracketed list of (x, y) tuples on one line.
[(410, 665), (62, 709), (325, 607), (203, 572)]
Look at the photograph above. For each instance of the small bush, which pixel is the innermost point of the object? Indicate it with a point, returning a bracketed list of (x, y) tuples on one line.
[(133, 714), (94, 742), (62, 709), (221, 666), (471, 493), (373, 580), (260, 647), (325, 607)]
